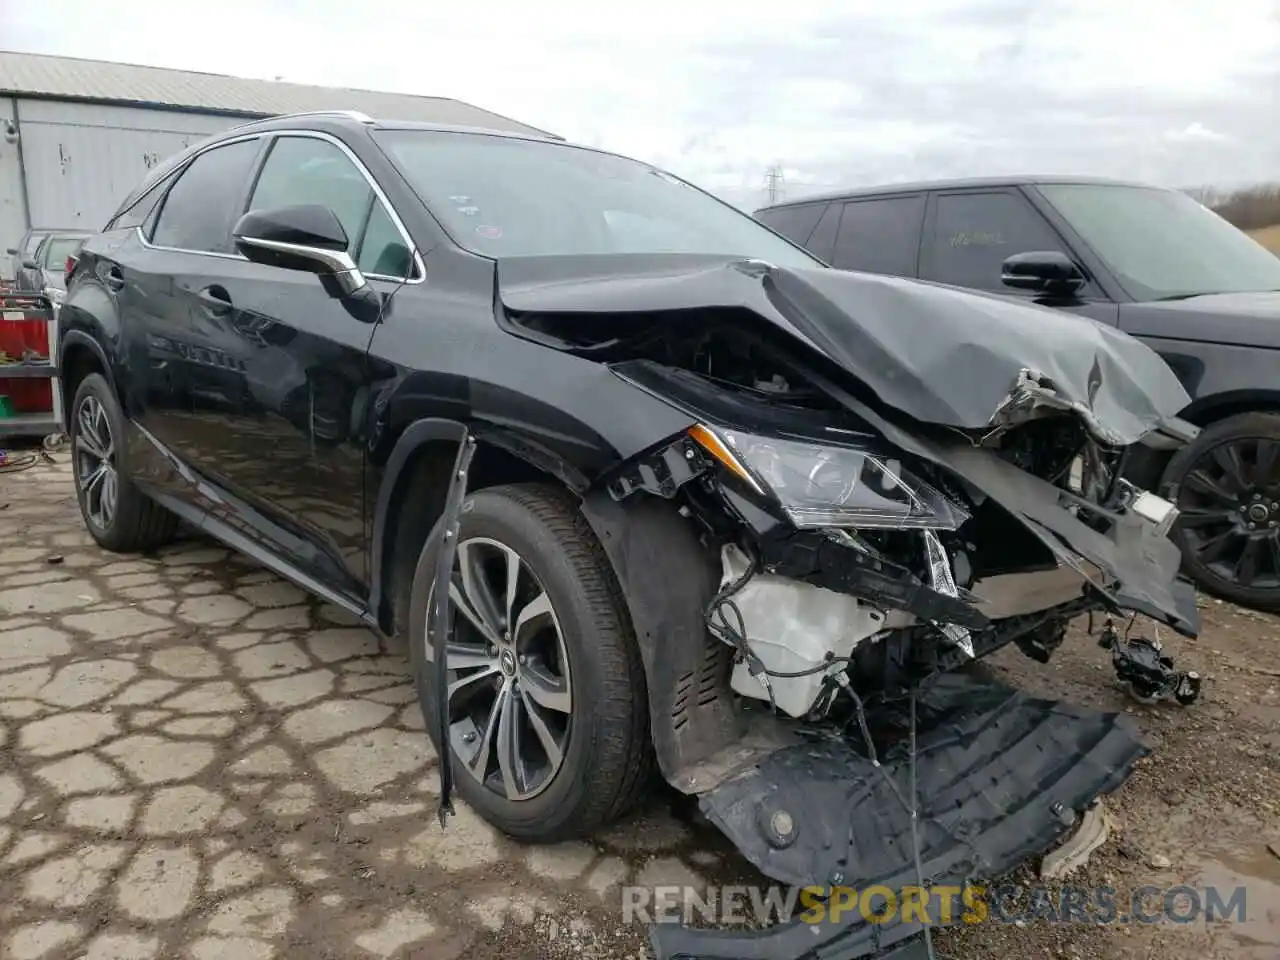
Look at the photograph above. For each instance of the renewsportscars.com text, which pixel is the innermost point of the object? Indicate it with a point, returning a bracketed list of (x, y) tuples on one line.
[(939, 905)]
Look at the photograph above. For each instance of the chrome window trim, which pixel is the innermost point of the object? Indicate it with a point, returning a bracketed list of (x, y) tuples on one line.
[(419, 267)]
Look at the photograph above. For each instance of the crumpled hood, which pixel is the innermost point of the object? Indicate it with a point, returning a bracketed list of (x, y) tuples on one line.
[(937, 354)]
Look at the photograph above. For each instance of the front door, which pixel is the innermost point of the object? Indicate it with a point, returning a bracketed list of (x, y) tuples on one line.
[(970, 233), (291, 449)]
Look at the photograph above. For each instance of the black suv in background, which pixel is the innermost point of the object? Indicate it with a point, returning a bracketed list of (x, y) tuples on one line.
[(1151, 261)]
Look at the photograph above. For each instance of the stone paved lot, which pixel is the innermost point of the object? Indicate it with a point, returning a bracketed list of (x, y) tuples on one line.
[(199, 761)]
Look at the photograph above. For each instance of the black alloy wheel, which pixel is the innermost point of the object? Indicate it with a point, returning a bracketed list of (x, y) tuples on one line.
[(1227, 486), (118, 515)]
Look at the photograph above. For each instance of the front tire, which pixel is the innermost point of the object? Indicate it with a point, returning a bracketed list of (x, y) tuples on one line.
[(1227, 485), (549, 725), (119, 516)]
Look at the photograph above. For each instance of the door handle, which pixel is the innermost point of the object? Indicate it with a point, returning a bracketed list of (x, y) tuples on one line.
[(113, 279), (215, 300)]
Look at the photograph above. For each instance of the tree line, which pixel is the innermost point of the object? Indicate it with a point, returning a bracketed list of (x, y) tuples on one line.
[(1249, 208)]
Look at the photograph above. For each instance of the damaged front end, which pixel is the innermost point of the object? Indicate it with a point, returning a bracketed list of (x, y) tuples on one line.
[(841, 527)]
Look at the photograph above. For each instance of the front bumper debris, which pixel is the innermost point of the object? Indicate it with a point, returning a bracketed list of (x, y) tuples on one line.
[(1000, 777)]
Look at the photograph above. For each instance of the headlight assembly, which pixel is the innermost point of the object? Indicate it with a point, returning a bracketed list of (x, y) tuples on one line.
[(818, 485)]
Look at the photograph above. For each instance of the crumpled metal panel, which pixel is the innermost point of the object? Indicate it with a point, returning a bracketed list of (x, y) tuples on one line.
[(938, 354), (998, 776)]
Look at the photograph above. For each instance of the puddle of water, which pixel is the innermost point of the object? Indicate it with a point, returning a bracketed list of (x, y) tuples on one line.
[(1258, 872)]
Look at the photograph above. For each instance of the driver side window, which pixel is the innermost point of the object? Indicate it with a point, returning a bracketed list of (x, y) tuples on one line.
[(308, 170)]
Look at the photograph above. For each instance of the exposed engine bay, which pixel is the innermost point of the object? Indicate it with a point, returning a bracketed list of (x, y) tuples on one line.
[(883, 550), (881, 481)]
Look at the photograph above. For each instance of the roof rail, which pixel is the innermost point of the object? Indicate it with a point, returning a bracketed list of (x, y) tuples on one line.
[(355, 115)]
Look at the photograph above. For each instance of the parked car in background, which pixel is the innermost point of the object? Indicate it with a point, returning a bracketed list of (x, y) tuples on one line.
[(24, 278), (48, 268), (1152, 262)]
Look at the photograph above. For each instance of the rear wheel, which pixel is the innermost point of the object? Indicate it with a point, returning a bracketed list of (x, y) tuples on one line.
[(547, 705), (1227, 486), (119, 516)]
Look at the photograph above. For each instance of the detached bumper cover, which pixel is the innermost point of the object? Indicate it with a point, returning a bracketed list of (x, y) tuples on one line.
[(998, 777)]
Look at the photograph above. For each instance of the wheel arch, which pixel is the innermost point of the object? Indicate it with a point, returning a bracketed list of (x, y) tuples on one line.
[(1149, 468), (1209, 410), (420, 467), (80, 355)]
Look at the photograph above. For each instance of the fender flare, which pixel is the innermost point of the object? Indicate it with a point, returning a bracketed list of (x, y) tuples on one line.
[(78, 338), (414, 436), (436, 429)]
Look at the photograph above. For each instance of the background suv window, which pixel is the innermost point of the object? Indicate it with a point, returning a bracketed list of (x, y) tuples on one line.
[(308, 170), (973, 234), (199, 210), (880, 236), (794, 223)]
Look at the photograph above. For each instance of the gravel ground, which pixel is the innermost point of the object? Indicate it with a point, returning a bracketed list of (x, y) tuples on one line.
[(197, 760)]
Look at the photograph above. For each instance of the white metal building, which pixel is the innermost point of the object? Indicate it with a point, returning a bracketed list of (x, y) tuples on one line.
[(77, 135)]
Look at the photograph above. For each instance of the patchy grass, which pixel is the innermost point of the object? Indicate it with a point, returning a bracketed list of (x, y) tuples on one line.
[(1269, 237)]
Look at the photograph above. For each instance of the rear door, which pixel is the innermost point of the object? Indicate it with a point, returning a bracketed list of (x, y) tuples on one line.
[(166, 292), (880, 235), (969, 234)]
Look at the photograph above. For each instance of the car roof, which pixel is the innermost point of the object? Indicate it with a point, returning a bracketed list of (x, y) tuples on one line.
[(330, 121), (348, 119), (890, 189)]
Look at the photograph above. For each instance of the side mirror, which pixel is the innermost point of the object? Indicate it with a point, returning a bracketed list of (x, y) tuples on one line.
[(30, 264), (308, 238), (1042, 271)]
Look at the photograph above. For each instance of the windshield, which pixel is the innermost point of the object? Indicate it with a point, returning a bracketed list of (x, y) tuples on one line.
[(1161, 243), (503, 197), (58, 249)]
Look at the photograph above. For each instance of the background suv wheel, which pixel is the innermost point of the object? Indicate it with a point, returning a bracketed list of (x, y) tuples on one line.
[(1227, 485), (120, 517), (547, 706)]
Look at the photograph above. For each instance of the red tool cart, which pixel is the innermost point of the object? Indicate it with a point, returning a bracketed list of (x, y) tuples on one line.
[(29, 404)]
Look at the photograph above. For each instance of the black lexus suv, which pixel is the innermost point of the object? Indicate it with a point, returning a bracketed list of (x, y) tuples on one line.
[(1150, 261), (637, 481)]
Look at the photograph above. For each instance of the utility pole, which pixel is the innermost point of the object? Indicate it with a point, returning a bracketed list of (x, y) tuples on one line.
[(773, 182)]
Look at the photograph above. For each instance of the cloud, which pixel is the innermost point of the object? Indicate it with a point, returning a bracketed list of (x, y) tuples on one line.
[(838, 92), (1195, 132)]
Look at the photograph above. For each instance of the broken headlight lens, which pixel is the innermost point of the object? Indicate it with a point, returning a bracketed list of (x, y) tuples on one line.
[(827, 486)]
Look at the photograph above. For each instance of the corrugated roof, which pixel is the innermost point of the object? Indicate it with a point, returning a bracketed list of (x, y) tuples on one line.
[(37, 75)]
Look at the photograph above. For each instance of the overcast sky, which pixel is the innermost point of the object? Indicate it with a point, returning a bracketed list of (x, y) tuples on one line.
[(837, 92)]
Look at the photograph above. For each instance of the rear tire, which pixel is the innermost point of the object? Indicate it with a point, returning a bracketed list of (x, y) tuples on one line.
[(1229, 531), (118, 515), (606, 759)]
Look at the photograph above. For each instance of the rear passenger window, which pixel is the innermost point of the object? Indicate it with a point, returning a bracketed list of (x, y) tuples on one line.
[(794, 223), (880, 236), (973, 234), (137, 214), (200, 208)]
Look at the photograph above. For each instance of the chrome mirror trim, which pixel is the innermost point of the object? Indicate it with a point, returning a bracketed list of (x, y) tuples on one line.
[(338, 263)]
